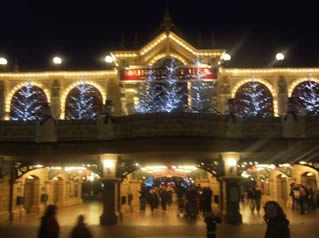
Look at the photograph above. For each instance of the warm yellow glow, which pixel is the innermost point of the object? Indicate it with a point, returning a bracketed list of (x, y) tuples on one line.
[(266, 166), (59, 74), (153, 43), (302, 162), (125, 55), (310, 174), (18, 87), (269, 71), (184, 45), (67, 169), (161, 56), (73, 85), (298, 81), (265, 83), (56, 168)]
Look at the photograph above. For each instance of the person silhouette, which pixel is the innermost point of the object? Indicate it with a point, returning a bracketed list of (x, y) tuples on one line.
[(49, 227), (81, 230)]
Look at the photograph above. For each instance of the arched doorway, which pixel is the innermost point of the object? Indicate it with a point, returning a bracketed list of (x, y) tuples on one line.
[(176, 179), (282, 188), (57, 190), (30, 193), (83, 102), (27, 103), (309, 179), (253, 99)]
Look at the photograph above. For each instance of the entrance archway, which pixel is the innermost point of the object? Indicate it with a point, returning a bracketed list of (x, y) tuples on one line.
[(282, 188), (172, 177), (309, 178), (30, 193), (57, 191)]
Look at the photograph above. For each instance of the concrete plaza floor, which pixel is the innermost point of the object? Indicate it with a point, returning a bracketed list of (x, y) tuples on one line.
[(160, 224)]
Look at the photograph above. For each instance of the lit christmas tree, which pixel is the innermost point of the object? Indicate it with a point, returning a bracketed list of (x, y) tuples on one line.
[(306, 96), (254, 100), (160, 93), (200, 94), (27, 104), (149, 95), (173, 96), (81, 103)]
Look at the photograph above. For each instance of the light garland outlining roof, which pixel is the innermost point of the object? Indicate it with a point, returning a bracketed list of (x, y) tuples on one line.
[(153, 43), (59, 74), (271, 70)]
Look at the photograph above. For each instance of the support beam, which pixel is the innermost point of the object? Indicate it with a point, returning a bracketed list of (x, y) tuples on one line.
[(231, 189), (110, 187)]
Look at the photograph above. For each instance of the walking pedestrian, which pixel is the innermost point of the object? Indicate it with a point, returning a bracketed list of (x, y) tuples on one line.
[(211, 220), (81, 230), (251, 195), (258, 195), (49, 227), (277, 223)]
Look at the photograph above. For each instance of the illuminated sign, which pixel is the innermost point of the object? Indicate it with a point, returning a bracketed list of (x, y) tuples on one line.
[(184, 73)]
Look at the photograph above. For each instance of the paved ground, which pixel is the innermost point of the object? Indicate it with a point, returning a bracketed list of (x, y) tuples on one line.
[(161, 224)]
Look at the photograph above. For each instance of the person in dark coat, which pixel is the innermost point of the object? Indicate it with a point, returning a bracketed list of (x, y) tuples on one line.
[(49, 227), (81, 230), (211, 220), (277, 223)]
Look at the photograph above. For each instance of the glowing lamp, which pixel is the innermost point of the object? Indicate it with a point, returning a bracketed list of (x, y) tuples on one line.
[(3, 61), (226, 57), (108, 59), (57, 60), (280, 56), (231, 162), (108, 164)]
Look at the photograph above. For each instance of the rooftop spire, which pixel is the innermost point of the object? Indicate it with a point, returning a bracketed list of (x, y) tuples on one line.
[(167, 23)]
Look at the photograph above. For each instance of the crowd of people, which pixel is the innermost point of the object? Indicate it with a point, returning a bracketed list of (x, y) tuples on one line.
[(303, 198), (190, 199)]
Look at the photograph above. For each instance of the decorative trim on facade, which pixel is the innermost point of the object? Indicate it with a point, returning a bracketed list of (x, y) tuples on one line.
[(59, 74)]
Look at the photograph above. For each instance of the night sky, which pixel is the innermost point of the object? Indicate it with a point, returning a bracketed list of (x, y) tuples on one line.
[(32, 32)]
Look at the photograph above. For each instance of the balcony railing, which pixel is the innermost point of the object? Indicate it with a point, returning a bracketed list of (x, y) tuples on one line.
[(164, 125)]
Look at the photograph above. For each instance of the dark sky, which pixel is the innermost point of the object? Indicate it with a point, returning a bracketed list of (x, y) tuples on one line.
[(83, 32)]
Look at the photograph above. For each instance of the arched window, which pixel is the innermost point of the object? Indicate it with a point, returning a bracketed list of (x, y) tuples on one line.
[(306, 95), (253, 99), (83, 102), (27, 103)]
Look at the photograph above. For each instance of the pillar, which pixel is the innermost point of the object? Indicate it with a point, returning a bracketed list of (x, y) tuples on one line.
[(55, 99), (2, 100), (231, 189), (110, 207), (36, 197)]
